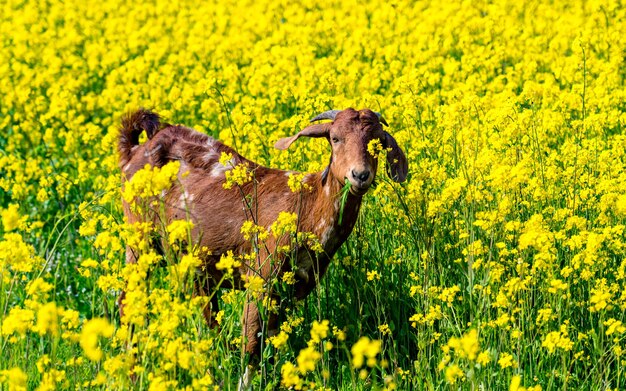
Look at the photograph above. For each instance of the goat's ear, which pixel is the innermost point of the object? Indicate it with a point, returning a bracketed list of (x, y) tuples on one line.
[(317, 130), (397, 165)]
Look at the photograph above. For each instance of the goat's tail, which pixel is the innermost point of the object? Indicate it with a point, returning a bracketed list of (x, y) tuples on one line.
[(132, 126)]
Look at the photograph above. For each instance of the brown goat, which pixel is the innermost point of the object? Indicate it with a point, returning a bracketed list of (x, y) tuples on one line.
[(218, 214)]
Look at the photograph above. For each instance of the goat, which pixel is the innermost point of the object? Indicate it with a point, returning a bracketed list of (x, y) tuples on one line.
[(217, 212)]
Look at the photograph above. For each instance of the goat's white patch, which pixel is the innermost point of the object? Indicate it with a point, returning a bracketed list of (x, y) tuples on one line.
[(210, 143), (321, 225), (327, 234), (126, 167), (150, 152), (213, 155), (219, 169), (244, 380), (186, 196), (134, 147), (327, 190)]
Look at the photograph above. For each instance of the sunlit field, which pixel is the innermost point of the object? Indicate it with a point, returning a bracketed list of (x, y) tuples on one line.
[(499, 264)]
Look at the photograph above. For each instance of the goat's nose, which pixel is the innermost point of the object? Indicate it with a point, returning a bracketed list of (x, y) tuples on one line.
[(361, 176)]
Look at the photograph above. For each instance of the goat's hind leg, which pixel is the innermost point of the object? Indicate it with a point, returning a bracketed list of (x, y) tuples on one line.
[(253, 330)]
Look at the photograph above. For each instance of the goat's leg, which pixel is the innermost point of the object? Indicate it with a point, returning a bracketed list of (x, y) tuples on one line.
[(253, 330)]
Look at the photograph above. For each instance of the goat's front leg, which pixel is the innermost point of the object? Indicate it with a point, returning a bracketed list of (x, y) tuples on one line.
[(253, 328)]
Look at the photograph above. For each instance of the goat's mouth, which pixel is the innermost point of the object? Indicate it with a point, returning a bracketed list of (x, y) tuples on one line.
[(358, 191)]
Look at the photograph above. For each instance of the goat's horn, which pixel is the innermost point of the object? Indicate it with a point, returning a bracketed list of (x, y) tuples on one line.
[(330, 114), (381, 119)]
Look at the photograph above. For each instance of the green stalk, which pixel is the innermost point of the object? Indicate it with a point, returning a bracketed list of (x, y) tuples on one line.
[(344, 197)]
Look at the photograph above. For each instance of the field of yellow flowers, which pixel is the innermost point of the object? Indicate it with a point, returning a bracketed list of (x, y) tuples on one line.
[(499, 264)]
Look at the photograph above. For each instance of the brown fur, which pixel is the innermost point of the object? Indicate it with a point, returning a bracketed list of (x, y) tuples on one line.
[(218, 214)]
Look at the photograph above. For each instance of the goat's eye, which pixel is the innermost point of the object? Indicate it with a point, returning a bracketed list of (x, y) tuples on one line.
[(335, 140)]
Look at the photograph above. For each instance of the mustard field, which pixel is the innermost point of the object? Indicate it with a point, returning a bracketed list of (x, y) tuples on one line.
[(500, 264)]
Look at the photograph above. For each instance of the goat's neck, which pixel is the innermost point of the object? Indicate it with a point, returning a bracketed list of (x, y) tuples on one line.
[(327, 213)]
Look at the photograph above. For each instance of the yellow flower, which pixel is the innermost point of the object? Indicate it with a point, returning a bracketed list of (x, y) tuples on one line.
[(556, 285), (614, 326), (307, 359), (18, 321), (226, 159), (228, 262), (250, 230), (289, 376), (92, 329), (373, 275), (319, 331), (238, 176), (467, 346), (48, 319), (374, 147), (187, 264), (15, 378), (365, 348), (483, 358), (544, 315), (285, 224), (16, 255), (179, 230), (384, 329), (558, 340), (150, 181), (506, 361), (38, 287), (254, 284), (340, 334), (11, 218), (289, 278), (448, 294), (279, 340), (453, 373), (600, 298), (515, 384), (296, 182)]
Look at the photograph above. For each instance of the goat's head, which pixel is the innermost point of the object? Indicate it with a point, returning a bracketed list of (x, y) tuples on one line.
[(349, 135)]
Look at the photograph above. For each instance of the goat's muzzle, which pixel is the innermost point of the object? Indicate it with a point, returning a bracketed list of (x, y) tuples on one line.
[(360, 181)]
